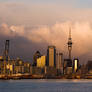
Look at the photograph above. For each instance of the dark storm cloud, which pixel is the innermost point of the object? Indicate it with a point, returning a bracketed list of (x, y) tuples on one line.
[(20, 46)]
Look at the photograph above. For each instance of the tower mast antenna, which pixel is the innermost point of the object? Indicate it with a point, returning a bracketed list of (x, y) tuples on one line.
[(69, 43)]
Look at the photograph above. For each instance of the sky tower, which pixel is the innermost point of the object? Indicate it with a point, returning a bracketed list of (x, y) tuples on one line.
[(69, 44)]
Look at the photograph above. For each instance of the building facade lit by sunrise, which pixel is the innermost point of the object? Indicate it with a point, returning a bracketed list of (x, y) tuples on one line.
[(51, 56), (75, 65), (41, 62)]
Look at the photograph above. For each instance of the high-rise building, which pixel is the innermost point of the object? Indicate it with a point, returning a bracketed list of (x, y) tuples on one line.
[(51, 56), (75, 65), (35, 57), (59, 60), (59, 63), (41, 62)]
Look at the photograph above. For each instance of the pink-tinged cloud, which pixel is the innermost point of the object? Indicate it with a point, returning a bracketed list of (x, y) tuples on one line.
[(57, 35), (20, 13)]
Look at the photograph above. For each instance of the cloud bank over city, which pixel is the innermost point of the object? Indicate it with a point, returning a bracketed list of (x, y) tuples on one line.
[(56, 34), (33, 26)]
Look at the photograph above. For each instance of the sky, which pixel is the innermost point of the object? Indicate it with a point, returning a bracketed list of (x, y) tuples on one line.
[(32, 25)]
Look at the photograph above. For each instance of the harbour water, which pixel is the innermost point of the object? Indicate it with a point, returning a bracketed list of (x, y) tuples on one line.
[(45, 85)]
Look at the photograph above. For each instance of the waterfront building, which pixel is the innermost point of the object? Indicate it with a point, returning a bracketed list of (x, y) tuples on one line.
[(89, 65), (37, 71), (27, 66), (50, 72), (83, 69)]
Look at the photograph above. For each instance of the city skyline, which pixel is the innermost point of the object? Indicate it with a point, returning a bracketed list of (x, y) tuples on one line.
[(45, 45), (33, 25)]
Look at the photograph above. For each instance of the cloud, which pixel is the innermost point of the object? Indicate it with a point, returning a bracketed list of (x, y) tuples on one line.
[(41, 24), (35, 13), (56, 34)]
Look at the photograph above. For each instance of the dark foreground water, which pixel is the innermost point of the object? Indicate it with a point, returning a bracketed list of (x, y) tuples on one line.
[(45, 85)]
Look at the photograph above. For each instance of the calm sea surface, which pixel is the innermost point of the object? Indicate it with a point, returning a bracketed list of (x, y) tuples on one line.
[(45, 85)]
